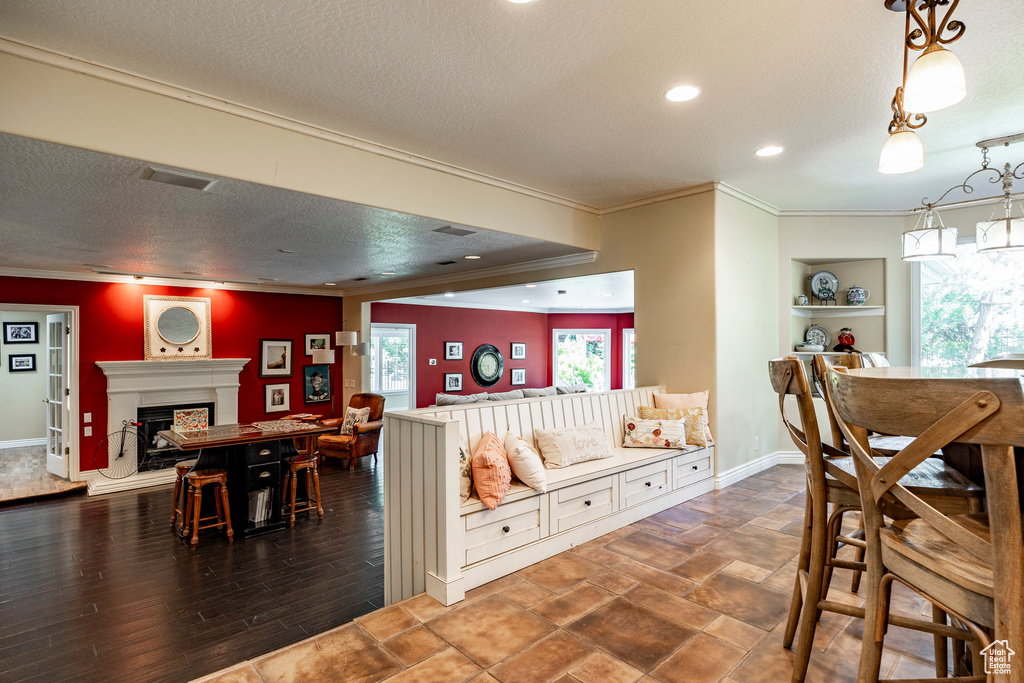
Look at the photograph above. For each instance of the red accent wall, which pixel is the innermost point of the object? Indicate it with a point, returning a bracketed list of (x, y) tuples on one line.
[(111, 319), (474, 326), (616, 322)]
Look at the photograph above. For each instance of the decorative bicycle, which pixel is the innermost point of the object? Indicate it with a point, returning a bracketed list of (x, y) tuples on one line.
[(117, 454)]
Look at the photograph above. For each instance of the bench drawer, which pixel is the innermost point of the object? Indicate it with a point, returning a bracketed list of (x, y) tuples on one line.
[(644, 483), (692, 471), (491, 532), (579, 504)]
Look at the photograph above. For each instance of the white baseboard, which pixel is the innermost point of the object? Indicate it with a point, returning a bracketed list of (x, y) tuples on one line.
[(751, 468), (98, 484), (23, 443)]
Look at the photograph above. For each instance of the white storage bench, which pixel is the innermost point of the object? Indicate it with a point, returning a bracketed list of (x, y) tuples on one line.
[(435, 543)]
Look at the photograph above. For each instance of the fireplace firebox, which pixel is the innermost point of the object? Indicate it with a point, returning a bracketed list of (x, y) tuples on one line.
[(160, 454)]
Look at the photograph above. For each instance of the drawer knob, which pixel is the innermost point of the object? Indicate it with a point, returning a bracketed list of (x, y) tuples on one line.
[(587, 503), (505, 529), (647, 484), (694, 467), (264, 475)]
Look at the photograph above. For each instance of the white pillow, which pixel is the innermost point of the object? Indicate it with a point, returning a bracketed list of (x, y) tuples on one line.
[(571, 389), (654, 433), (465, 469), (569, 445), (525, 462), (354, 417), (459, 399), (535, 393), (505, 395)]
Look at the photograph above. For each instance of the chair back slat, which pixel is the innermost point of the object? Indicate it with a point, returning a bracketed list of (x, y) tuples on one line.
[(789, 378)]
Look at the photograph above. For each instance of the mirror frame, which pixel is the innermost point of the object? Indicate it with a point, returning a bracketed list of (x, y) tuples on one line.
[(158, 348)]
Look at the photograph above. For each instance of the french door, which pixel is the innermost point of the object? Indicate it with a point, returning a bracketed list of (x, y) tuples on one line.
[(57, 394), (393, 364)]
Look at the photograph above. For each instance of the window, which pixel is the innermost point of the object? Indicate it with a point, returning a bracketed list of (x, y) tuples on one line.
[(628, 358), (969, 307), (582, 357), (392, 372)]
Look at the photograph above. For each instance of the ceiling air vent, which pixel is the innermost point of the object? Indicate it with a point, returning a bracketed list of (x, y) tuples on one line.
[(178, 179), (359, 279), (455, 232), (446, 263)]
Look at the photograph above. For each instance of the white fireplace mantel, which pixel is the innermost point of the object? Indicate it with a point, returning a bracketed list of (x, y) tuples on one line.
[(133, 384)]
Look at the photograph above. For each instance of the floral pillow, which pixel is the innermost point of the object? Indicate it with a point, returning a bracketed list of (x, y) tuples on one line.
[(654, 433), (693, 418), (354, 417)]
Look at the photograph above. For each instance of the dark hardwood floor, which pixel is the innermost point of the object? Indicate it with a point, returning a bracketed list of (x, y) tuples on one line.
[(101, 588)]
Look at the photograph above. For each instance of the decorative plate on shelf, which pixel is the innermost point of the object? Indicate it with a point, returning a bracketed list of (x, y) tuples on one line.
[(816, 334), (824, 285)]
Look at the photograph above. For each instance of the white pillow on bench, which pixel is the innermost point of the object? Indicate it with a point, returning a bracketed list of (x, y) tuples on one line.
[(566, 446)]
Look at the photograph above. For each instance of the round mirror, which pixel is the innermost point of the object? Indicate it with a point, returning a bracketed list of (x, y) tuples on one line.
[(177, 325)]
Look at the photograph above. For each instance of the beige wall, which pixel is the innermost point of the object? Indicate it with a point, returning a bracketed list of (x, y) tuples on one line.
[(22, 413), (746, 267)]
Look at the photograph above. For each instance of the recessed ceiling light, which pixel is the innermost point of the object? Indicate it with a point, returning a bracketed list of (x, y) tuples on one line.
[(448, 294), (525, 301), (682, 93), (531, 285), (769, 151), (331, 284), (286, 251), (520, 2), (472, 258), (607, 294), (387, 272)]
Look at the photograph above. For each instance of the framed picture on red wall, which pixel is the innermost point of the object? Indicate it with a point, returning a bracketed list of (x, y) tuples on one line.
[(275, 357), (518, 351), (278, 398), (317, 342), (453, 350), (518, 377), (453, 381)]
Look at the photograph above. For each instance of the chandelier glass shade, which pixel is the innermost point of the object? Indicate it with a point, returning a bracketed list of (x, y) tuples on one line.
[(929, 242), (936, 81), (902, 152)]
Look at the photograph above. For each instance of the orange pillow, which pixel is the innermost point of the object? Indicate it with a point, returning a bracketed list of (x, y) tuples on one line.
[(492, 476), (696, 400)]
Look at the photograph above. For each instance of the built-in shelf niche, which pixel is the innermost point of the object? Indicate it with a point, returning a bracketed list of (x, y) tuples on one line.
[(866, 321)]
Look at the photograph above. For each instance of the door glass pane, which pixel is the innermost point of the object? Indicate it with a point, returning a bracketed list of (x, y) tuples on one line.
[(970, 307), (581, 359), (375, 364)]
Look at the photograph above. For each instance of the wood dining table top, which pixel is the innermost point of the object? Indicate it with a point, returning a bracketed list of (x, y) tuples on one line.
[(237, 434)]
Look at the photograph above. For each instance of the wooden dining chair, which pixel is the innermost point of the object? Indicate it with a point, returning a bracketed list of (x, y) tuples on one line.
[(968, 565), (831, 480)]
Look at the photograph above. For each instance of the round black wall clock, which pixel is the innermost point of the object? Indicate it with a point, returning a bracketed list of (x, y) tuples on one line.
[(487, 365)]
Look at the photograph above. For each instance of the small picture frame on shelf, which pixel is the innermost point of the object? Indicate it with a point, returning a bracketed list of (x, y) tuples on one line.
[(277, 397), (22, 362), (275, 357), (452, 351), (453, 381), (518, 351), (21, 333), (518, 377)]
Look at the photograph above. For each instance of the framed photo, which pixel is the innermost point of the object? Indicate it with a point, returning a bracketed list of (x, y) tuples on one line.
[(278, 398), (317, 342), (452, 351), (275, 358), (518, 377), (518, 351), (453, 381), (177, 327), (25, 362), (317, 383), (28, 333)]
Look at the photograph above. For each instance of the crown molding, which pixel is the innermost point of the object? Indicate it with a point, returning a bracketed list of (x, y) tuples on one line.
[(657, 199), (267, 288), (139, 82), (540, 264), (749, 199), (848, 214), (416, 301)]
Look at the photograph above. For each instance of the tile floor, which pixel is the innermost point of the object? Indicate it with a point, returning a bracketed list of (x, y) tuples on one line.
[(699, 592), (23, 475)]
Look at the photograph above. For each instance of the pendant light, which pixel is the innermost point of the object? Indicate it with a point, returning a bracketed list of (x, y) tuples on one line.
[(902, 152), (937, 79), (930, 242), (1006, 233)]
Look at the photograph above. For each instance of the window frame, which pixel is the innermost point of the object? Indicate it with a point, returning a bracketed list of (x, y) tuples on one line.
[(607, 332), (626, 383)]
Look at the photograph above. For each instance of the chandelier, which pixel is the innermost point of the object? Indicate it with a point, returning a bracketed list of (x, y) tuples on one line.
[(935, 81), (999, 233)]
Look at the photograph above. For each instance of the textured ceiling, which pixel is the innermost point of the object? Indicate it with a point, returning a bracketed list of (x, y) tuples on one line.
[(603, 292), (62, 208), (565, 96)]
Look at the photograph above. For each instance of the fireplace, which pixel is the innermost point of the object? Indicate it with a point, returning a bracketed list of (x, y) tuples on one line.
[(159, 454)]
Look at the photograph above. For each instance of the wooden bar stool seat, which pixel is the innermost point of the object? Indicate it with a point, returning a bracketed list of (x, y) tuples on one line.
[(178, 508), (294, 465), (193, 512)]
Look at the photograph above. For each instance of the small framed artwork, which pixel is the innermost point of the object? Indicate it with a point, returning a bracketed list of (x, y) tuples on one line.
[(28, 333), (518, 377), (275, 357), (453, 381), (278, 398), (317, 382), (25, 362), (453, 350), (518, 351), (317, 342)]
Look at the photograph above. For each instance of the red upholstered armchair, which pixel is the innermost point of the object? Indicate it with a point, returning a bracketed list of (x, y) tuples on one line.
[(365, 436)]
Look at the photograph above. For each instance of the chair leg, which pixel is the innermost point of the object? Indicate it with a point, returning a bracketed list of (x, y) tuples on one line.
[(197, 511), (941, 669), (351, 460), (316, 485), (858, 556), (309, 488), (220, 510), (186, 508), (227, 509), (291, 512), (177, 497), (835, 527), (801, 568), (810, 613)]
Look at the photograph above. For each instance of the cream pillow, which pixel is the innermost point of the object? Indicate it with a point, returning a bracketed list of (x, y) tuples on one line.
[(525, 462), (693, 421), (569, 445), (654, 433), (354, 417), (465, 469), (696, 400)]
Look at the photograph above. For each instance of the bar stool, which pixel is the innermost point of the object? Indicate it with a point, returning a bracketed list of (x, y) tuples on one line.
[(178, 508), (196, 481), (296, 464)]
